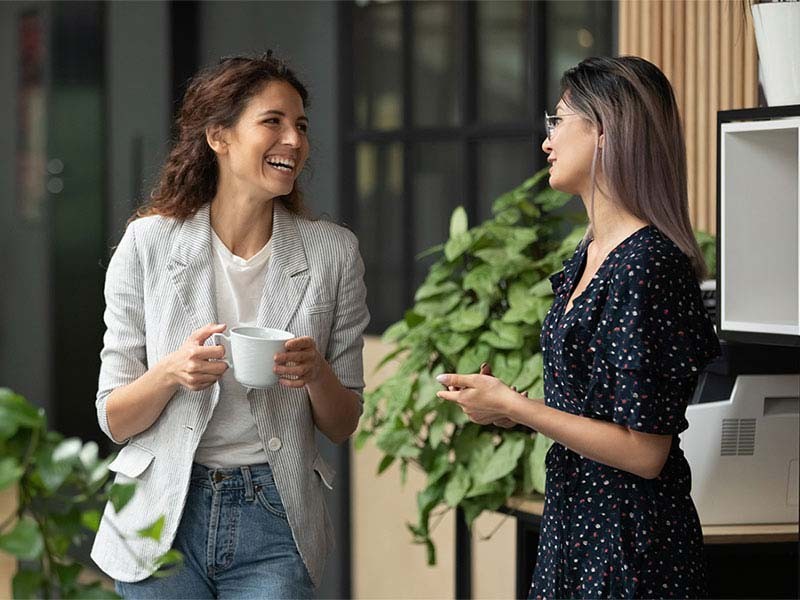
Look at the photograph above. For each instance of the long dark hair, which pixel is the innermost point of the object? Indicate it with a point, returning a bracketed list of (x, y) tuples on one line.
[(643, 160), (216, 96)]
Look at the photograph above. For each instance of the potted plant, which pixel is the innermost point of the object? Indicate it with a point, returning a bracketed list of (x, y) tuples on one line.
[(483, 300), (62, 486)]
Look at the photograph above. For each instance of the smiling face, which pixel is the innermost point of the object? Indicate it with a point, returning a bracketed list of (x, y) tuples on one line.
[(266, 150), (571, 150)]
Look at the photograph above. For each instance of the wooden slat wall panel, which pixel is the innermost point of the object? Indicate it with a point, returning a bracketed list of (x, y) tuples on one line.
[(707, 49)]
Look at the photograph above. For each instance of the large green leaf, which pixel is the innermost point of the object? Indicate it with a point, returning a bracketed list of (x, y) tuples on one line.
[(24, 541), (503, 336), (503, 460), (120, 494), (458, 222), (429, 290), (67, 450), (28, 583), (16, 412), (469, 318), (457, 486), (536, 462), (91, 519), (452, 342), (397, 442), (507, 366), (531, 371), (472, 358), (457, 245), (10, 471), (482, 280), (153, 531)]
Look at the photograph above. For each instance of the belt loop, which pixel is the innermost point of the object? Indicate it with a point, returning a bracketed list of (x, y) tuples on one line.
[(249, 494)]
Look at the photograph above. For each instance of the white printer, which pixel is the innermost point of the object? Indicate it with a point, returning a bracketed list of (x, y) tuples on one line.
[(743, 440)]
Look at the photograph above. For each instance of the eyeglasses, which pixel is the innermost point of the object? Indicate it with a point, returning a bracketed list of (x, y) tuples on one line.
[(552, 121)]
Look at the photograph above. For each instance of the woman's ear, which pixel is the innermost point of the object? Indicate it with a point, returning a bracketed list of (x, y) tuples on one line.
[(216, 140), (601, 139)]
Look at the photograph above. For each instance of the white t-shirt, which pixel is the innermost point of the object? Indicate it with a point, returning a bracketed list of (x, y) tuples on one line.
[(231, 438)]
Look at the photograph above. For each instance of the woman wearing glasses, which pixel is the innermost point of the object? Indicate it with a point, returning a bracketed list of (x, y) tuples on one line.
[(624, 342)]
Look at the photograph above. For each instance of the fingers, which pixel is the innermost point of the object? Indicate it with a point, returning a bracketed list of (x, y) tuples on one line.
[(461, 381), (292, 383), (448, 395), (504, 423), (207, 352), (485, 369), (201, 335), (301, 343), (295, 357), (292, 371), (199, 381)]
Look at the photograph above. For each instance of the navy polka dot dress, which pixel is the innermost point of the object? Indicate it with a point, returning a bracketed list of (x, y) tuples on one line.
[(629, 352)]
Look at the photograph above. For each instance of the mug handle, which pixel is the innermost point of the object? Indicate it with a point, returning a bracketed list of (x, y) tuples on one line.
[(220, 339)]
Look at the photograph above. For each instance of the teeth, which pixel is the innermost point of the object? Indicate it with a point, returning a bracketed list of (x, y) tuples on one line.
[(279, 162)]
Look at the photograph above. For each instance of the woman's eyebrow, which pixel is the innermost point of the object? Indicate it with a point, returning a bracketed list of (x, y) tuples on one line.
[(281, 114)]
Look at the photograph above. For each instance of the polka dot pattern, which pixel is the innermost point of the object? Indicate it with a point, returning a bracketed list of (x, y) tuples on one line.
[(629, 351)]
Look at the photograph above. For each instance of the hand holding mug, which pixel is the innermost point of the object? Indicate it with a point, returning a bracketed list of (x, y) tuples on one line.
[(194, 365), (299, 364)]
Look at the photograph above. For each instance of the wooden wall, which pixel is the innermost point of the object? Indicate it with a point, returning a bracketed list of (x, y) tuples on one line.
[(707, 50)]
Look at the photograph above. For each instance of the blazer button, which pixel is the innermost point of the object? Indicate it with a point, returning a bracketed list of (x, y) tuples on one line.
[(274, 444)]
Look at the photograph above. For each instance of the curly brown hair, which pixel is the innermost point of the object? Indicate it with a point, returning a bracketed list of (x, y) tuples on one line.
[(215, 96)]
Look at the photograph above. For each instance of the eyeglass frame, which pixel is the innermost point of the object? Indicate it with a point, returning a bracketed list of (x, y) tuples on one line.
[(549, 126)]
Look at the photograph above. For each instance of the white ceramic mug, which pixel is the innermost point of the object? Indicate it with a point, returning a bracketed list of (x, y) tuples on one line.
[(249, 351)]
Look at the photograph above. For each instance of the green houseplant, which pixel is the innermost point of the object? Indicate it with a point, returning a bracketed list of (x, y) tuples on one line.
[(484, 299), (62, 485)]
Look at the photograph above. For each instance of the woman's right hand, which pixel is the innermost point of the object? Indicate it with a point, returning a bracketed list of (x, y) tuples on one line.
[(190, 366), (486, 369)]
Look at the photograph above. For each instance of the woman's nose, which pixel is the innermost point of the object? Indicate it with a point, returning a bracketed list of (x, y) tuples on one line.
[(547, 147), (292, 137)]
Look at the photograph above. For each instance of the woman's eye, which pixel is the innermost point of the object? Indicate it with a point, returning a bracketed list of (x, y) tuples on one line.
[(303, 127), (272, 121)]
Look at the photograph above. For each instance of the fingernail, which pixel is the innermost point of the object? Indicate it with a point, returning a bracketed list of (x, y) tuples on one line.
[(484, 365), (441, 378)]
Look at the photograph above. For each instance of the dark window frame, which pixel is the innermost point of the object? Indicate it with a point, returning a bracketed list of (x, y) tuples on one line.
[(467, 135)]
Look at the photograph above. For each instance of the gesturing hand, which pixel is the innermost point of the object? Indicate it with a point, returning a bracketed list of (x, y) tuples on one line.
[(300, 363), (505, 423), (191, 366), (483, 398)]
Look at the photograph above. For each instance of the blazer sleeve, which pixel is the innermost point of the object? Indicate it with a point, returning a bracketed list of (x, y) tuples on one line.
[(350, 319), (123, 358)]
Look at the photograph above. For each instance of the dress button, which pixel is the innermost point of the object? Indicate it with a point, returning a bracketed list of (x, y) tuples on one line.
[(274, 444)]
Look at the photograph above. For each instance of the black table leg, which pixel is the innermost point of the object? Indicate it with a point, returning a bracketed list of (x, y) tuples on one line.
[(463, 558)]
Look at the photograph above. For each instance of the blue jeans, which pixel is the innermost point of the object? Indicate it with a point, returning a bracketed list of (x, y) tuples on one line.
[(235, 540)]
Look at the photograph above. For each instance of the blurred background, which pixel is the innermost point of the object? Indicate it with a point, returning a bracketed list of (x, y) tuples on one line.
[(416, 108)]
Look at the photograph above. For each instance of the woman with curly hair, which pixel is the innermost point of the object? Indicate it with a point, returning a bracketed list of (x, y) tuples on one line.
[(224, 241)]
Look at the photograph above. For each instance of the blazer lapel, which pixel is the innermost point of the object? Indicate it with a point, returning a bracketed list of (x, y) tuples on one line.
[(191, 269), (287, 276)]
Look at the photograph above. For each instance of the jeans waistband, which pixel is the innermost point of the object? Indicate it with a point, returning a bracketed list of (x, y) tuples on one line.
[(233, 478)]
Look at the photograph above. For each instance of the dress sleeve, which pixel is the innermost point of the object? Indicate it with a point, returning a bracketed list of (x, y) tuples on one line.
[(656, 339)]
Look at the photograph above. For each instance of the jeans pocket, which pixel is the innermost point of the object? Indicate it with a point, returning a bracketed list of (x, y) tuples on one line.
[(269, 498)]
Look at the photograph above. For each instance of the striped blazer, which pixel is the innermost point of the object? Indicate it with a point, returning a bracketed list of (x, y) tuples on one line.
[(159, 288)]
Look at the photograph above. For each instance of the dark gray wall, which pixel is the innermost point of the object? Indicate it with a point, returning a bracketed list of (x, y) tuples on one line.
[(138, 103), (25, 307), (304, 34)]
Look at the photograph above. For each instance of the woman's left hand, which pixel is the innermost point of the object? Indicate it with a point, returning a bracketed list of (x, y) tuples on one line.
[(300, 364), (483, 398)]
